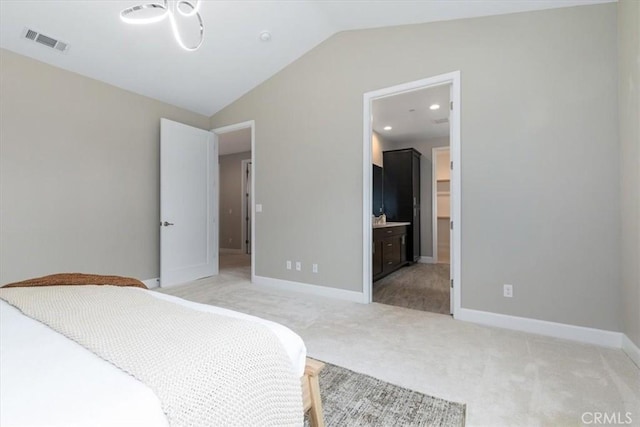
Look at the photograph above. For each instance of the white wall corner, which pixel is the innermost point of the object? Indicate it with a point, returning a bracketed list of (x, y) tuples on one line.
[(306, 288), (426, 260), (542, 327), (151, 283), (632, 350)]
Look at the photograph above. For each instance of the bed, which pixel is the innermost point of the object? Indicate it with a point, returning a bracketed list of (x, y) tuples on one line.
[(48, 379)]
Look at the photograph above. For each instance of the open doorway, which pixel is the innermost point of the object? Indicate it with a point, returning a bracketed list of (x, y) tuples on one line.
[(236, 163), (407, 129)]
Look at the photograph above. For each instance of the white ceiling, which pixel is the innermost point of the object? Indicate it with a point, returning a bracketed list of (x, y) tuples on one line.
[(413, 125), (145, 59)]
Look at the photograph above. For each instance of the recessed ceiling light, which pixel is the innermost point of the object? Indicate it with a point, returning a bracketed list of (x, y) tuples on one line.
[(434, 107), (265, 36), (387, 128)]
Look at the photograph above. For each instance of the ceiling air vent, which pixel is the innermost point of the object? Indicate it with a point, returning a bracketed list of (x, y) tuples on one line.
[(441, 121), (40, 38)]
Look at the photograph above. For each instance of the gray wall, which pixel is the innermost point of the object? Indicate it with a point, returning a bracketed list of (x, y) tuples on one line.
[(629, 100), (426, 210), (231, 200), (79, 173), (540, 157)]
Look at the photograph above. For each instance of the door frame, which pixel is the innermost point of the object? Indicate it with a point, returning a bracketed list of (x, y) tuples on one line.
[(434, 214), (244, 210), (231, 128), (453, 79)]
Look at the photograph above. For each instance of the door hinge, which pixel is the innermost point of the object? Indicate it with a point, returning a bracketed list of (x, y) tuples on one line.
[(452, 283), (451, 105), (452, 225), (451, 165)]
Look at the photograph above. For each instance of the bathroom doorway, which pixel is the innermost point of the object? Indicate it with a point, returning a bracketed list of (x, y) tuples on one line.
[(402, 263)]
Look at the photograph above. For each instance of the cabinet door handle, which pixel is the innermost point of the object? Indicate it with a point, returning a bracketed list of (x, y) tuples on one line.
[(389, 244)]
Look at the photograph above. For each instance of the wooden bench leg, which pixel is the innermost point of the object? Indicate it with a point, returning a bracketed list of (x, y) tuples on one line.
[(311, 392)]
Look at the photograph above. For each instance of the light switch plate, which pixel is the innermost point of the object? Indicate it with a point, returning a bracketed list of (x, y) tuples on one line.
[(258, 207)]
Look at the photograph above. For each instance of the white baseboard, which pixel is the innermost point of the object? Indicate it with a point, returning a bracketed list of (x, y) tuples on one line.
[(151, 283), (543, 327), (231, 251), (631, 349), (305, 288), (426, 260)]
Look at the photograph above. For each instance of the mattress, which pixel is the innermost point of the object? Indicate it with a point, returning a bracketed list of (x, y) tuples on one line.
[(49, 380)]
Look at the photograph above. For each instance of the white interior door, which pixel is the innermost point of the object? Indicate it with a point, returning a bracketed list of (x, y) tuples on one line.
[(188, 203)]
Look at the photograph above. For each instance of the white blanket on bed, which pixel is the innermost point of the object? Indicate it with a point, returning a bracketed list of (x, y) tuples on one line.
[(206, 369)]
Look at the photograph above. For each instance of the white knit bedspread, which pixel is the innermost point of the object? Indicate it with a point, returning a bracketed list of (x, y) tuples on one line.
[(206, 369)]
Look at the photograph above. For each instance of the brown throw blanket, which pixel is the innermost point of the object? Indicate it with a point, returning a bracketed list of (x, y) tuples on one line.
[(78, 279)]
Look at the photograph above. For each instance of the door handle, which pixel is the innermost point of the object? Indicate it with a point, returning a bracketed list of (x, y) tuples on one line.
[(166, 224)]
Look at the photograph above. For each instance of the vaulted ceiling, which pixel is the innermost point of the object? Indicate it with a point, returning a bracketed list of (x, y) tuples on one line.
[(232, 60)]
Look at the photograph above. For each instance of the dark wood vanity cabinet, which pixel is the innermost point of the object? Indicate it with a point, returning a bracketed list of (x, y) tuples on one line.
[(401, 192), (389, 251)]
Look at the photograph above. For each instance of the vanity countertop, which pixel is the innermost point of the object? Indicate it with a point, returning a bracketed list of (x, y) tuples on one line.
[(391, 224)]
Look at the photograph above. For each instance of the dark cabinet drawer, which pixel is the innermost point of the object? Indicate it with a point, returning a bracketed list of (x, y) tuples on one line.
[(384, 232), (389, 250), (392, 249)]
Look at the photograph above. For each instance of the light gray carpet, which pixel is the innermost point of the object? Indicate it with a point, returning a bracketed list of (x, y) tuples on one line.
[(418, 286), (506, 378), (353, 399)]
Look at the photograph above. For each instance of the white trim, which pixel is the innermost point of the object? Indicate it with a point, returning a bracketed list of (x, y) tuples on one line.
[(631, 349), (542, 327), (427, 260), (243, 209), (231, 251), (305, 288), (455, 188), (230, 128), (452, 79), (152, 283), (434, 213)]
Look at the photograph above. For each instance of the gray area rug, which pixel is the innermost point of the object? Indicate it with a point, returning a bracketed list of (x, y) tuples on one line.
[(351, 399), (418, 286)]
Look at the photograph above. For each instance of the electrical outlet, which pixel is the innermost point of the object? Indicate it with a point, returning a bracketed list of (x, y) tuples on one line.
[(314, 268), (288, 265), (298, 266), (508, 291)]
